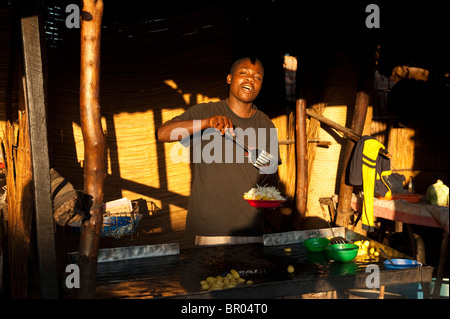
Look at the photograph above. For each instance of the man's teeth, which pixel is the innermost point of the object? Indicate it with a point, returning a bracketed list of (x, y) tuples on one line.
[(246, 87)]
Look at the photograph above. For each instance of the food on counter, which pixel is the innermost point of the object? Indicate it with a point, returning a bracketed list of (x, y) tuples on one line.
[(230, 280), (290, 269), (364, 248), (263, 193), (234, 273)]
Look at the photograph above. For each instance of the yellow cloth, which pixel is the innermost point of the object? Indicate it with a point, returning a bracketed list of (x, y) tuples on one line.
[(369, 161)]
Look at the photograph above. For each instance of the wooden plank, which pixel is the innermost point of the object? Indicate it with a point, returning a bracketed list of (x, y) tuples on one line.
[(36, 110)]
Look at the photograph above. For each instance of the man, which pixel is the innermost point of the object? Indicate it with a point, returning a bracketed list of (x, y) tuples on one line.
[(217, 212)]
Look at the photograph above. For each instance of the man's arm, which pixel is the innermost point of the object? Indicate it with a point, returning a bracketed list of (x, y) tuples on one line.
[(187, 128)]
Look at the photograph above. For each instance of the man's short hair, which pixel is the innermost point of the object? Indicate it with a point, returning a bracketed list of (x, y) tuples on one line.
[(253, 60)]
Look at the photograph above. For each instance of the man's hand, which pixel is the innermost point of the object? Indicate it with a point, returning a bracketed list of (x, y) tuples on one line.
[(221, 123)]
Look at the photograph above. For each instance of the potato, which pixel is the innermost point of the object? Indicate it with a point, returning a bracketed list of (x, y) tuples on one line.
[(230, 280), (234, 273), (206, 286), (211, 280), (361, 252)]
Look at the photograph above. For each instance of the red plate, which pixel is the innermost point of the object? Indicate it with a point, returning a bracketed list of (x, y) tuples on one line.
[(264, 203)]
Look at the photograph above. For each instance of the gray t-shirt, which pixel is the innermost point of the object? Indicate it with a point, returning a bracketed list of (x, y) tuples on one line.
[(216, 205)]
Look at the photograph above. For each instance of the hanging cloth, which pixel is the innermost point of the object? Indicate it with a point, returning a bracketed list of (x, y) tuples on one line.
[(69, 205), (369, 169)]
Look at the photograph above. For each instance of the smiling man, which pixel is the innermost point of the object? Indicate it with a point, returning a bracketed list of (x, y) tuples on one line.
[(217, 212)]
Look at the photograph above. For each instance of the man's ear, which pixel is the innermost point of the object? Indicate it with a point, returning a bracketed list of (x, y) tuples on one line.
[(229, 76)]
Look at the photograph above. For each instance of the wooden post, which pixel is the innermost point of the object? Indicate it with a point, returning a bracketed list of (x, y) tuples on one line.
[(441, 266), (35, 101), (94, 143), (302, 160), (345, 191)]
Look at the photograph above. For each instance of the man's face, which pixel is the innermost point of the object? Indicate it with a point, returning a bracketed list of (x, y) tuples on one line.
[(246, 80)]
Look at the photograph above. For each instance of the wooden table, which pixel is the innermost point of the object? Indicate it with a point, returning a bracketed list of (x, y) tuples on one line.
[(418, 213), (178, 276)]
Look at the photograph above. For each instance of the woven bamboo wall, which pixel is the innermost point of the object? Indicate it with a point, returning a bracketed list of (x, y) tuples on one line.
[(286, 171), (419, 151), (327, 166)]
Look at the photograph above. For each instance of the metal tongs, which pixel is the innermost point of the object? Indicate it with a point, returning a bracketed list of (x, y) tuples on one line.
[(387, 256), (259, 158), (334, 240)]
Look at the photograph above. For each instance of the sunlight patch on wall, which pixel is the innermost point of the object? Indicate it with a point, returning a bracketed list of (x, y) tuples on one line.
[(79, 143), (178, 174), (136, 153), (187, 97), (177, 218)]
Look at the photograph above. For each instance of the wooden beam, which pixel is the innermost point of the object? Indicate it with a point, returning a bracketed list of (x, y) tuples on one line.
[(301, 160), (94, 143), (36, 109), (350, 133)]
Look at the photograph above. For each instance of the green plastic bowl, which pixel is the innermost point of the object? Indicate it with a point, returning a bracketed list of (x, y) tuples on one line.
[(316, 244), (342, 252)]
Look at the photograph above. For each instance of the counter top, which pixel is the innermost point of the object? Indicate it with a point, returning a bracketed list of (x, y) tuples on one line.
[(179, 276)]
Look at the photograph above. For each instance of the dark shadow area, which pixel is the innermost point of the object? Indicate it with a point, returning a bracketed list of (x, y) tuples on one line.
[(193, 44)]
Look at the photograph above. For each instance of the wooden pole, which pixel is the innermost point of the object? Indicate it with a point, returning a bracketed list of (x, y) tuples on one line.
[(302, 160), (441, 266), (35, 102), (94, 143), (345, 191)]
